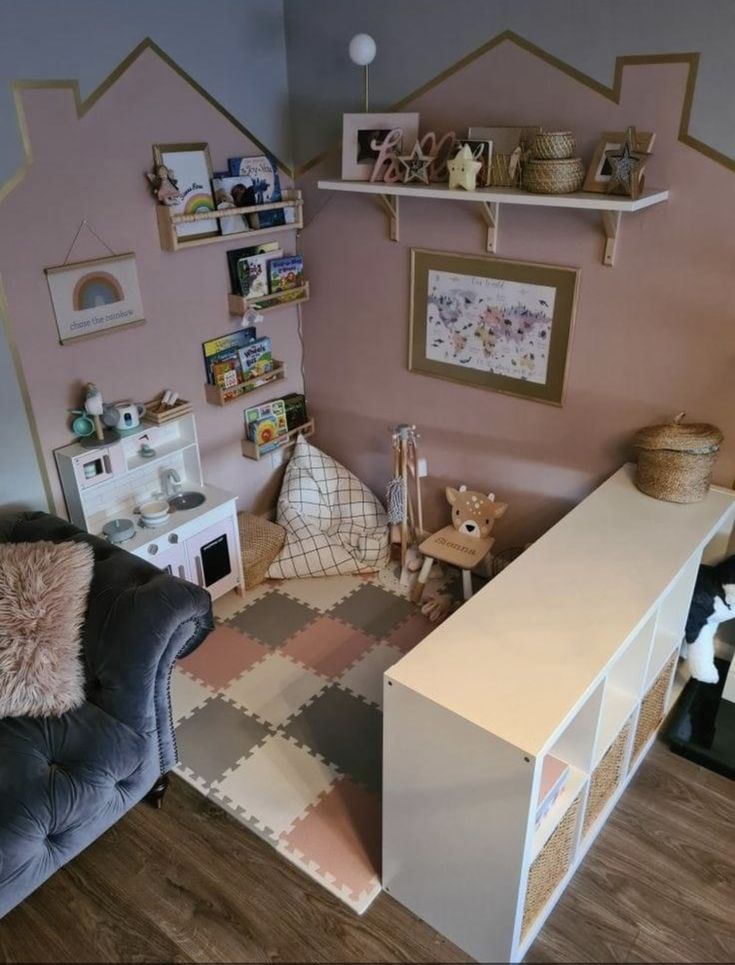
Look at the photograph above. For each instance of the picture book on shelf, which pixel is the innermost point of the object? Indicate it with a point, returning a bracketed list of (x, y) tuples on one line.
[(235, 254), (285, 273), (266, 424), (261, 175), (252, 274), (256, 358), (221, 356), (231, 193)]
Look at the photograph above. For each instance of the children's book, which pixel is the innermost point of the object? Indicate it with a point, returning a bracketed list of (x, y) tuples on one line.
[(261, 175), (231, 193), (224, 350), (252, 275), (265, 425), (256, 358), (236, 254), (554, 774), (285, 273)]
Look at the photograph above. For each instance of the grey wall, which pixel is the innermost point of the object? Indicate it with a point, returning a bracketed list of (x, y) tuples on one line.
[(234, 48), (418, 39)]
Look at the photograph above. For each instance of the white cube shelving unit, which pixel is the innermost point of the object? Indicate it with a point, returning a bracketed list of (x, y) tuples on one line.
[(570, 651)]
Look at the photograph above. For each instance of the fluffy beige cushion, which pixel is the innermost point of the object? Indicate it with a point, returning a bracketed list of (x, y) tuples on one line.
[(43, 597)]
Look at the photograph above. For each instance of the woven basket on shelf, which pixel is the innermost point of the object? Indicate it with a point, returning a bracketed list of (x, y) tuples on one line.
[(550, 866), (675, 461), (553, 145), (653, 708), (553, 177), (261, 541), (605, 778), (505, 171)]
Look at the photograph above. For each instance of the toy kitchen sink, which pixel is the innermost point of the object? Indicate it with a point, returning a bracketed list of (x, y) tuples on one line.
[(196, 540)]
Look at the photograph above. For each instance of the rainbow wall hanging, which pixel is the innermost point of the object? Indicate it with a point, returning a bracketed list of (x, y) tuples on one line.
[(92, 297)]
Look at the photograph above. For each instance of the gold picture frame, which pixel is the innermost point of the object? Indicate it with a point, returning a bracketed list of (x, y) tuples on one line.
[(505, 326), (597, 177), (192, 169)]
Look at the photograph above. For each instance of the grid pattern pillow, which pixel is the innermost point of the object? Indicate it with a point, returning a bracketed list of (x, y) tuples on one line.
[(334, 524), (43, 597)]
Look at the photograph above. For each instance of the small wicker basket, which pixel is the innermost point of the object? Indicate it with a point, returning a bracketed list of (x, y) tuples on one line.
[(261, 541), (675, 461), (505, 171), (553, 145), (553, 177)]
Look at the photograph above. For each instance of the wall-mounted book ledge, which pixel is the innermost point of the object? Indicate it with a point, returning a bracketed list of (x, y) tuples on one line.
[(252, 450), (238, 304), (167, 221), (223, 395)]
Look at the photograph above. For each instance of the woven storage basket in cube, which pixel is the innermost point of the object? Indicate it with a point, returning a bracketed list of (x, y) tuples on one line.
[(605, 778), (549, 866), (653, 707), (261, 541)]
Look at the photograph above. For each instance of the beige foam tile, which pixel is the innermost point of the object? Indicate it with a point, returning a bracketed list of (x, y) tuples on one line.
[(323, 592), (187, 694)]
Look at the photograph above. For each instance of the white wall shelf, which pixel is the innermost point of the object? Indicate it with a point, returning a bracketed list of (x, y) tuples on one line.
[(516, 674), (611, 208)]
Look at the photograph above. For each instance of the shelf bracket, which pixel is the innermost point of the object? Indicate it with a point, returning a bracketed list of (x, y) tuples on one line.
[(390, 203), (611, 226), (491, 214)]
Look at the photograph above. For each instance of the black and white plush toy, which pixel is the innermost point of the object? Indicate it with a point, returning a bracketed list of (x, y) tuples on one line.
[(712, 604)]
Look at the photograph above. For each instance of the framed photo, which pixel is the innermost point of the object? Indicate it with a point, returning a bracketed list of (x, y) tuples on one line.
[(192, 170), (92, 297), (362, 135), (598, 173), (493, 324)]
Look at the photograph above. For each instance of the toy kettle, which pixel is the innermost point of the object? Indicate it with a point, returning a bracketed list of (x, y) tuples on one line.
[(129, 414)]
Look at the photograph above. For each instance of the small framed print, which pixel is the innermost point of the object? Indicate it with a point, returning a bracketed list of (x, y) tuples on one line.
[(490, 323), (92, 297), (598, 173), (362, 135), (192, 170)]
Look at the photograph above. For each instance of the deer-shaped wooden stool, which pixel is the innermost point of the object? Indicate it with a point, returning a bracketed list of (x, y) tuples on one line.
[(466, 542)]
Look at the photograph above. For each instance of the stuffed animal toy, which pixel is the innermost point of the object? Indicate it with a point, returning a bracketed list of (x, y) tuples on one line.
[(712, 604), (164, 185), (474, 513)]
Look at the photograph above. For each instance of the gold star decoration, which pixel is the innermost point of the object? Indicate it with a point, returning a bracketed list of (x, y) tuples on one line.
[(415, 165), (626, 167), (463, 170)]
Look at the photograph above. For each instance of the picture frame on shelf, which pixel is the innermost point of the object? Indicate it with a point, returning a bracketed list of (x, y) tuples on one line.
[(93, 297), (505, 326), (362, 135), (599, 170), (192, 169)]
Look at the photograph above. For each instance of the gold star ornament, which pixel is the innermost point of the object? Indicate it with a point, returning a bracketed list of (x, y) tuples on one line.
[(626, 167), (463, 170), (415, 166)]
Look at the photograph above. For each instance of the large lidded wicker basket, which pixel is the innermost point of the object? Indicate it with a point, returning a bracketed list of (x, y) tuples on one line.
[(675, 461)]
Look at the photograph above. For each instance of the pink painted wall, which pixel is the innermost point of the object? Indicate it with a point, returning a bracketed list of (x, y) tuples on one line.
[(93, 168), (654, 334)]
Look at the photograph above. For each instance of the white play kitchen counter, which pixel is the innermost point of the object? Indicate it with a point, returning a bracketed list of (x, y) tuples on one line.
[(110, 481), (571, 652)]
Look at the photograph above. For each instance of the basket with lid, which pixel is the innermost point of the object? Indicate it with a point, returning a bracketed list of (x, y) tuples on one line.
[(676, 459)]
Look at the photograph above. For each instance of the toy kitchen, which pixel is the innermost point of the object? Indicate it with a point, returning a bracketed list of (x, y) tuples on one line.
[(145, 492)]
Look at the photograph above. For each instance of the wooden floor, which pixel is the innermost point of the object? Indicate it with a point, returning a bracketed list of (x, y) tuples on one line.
[(190, 884)]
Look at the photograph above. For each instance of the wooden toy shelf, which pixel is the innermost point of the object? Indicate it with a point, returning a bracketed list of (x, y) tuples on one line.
[(215, 394), (489, 200), (238, 304), (167, 222), (252, 451)]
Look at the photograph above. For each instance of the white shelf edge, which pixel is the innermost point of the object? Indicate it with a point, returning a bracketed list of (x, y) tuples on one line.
[(575, 782), (617, 707), (579, 199)]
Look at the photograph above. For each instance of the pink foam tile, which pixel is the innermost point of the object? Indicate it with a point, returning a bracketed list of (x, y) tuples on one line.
[(412, 631), (224, 655), (341, 836), (328, 646)]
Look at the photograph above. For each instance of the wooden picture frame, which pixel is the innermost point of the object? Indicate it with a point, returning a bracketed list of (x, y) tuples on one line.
[(358, 132), (94, 297), (500, 325), (192, 169), (597, 177)]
